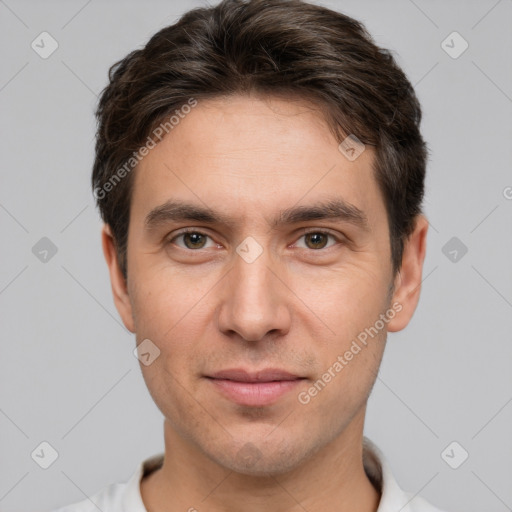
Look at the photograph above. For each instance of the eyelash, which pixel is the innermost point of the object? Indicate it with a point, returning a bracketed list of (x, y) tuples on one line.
[(303, 234)]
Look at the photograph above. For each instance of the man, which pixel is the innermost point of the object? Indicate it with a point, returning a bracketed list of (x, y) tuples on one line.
[(260, 171)]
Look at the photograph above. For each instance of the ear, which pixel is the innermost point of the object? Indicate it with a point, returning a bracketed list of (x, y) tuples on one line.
[(117, 280), (408, 279)]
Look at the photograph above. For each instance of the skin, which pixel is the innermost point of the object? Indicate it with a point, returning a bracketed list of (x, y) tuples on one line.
[(296, 307)]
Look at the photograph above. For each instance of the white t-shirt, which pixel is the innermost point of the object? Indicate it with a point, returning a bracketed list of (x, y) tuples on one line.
[(126, 497)]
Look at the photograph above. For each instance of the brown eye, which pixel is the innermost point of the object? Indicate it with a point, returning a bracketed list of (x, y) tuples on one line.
[(316, 240), (192, 240)]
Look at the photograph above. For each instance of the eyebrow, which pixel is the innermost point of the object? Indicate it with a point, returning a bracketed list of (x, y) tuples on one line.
[(333, 209)]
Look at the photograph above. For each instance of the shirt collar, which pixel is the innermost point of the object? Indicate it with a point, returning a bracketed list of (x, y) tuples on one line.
[(379, 473)]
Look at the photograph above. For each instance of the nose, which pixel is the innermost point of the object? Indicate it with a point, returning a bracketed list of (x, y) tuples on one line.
[(254, 300)]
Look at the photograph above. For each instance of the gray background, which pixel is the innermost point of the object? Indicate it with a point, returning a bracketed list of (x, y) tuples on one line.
[(67, 372)]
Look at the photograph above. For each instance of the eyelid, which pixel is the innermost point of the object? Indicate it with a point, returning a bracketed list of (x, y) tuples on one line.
[(189, 230), (307, 230)]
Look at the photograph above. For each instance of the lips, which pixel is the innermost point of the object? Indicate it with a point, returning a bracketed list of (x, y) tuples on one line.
[(257, 389), (266, 375)]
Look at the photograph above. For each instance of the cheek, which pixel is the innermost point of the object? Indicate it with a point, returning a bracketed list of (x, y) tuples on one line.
[(346, 299), (164, 303), (173, 394), (349, 302), (343, 387), (173, 321)]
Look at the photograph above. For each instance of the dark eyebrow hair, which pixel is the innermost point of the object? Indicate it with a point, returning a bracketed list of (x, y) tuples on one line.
[(334, 209), (180, 211)]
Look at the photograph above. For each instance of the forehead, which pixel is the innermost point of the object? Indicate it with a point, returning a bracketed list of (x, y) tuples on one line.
[(253, 155)]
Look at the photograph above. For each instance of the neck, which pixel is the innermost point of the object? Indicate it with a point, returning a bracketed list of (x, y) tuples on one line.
[(332, 480)]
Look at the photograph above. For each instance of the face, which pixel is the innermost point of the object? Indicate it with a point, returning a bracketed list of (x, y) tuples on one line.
[(255, 245)]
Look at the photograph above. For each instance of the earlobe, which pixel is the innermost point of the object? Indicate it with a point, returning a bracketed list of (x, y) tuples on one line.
[(408, 280), (117, 280)]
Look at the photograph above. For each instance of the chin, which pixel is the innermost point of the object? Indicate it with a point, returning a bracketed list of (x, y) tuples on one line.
[(262, 458)]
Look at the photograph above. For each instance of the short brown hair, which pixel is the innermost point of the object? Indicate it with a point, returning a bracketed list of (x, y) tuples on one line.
[(270, 47)]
